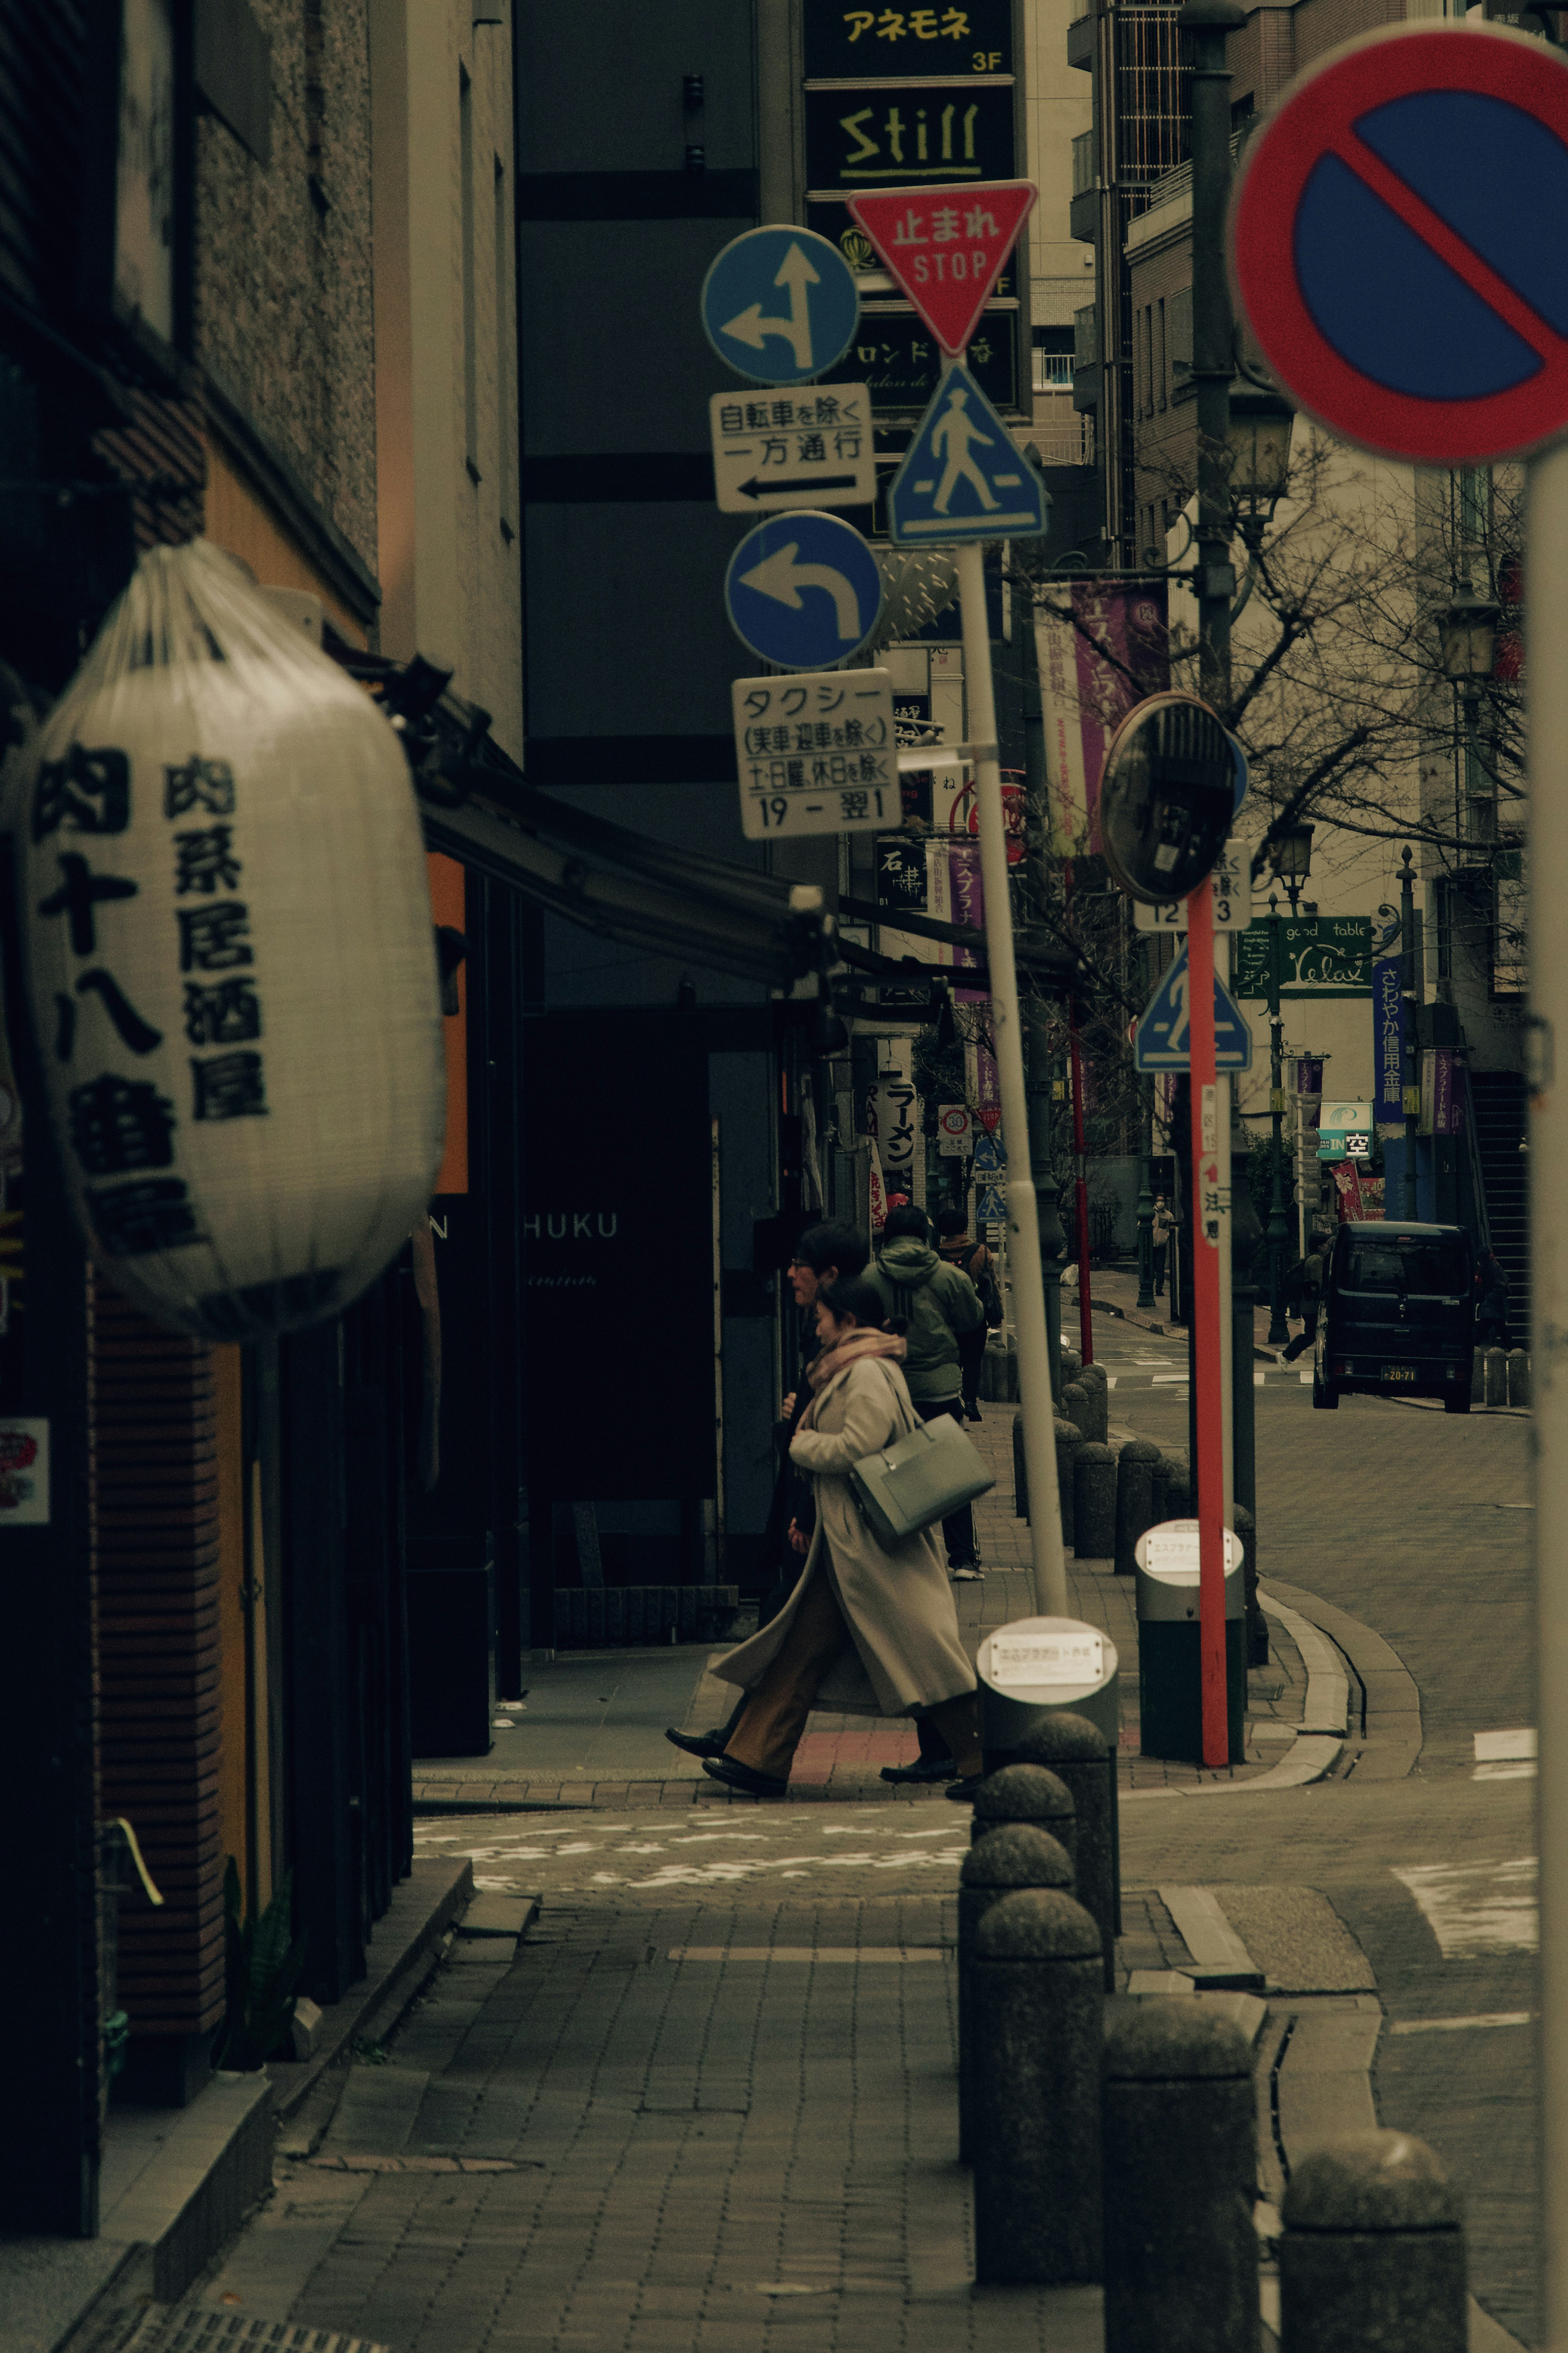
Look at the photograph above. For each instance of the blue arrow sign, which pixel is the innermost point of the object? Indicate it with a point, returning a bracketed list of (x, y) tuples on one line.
[(802, 590), (1162, 1041), (963, 476), (780, 304)]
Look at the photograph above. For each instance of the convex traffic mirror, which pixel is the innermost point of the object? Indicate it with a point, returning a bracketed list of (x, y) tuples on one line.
[(1167, 797)]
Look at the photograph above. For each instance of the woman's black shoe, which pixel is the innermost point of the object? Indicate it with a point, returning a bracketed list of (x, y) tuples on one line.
[(973, 1413), (924, 1768), (697, 1744), (736, 1775)]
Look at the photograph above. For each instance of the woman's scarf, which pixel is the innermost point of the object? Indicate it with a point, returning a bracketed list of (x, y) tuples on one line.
[(839, 1360)]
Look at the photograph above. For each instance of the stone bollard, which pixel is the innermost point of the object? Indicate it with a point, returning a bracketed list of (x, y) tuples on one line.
[(1075, 1751), (1517, 1369), (1072, 1364), (1496, 1391), (1181, 2175), (1094, 1502), (1257, 1623), (1037, 2009), (1017, 1855), (1092, 1379), (1077, 1407), (1374, 2253), (1020, 1470), (1135, 1469), (1027, 1793), (1069, 1437), (1172, 1494)]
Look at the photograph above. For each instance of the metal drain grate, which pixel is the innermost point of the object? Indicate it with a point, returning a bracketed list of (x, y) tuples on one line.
[(156, 2329)]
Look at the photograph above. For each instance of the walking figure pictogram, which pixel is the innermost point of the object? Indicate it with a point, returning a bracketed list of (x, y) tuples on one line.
[(952, 437)]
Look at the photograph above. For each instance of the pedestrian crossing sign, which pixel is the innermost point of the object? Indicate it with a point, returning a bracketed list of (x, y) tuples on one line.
[(1163, 1040), (964, 476)]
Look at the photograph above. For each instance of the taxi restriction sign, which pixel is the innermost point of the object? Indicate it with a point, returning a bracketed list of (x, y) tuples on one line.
[(1397, 242)]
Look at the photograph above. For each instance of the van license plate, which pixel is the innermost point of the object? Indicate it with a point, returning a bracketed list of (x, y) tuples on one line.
[(1399, 1372)]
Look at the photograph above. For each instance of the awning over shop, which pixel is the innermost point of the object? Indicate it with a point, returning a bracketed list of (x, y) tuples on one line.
[(477, 806)]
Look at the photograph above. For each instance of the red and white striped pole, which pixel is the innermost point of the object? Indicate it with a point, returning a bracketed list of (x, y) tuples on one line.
[(1208, 1374)]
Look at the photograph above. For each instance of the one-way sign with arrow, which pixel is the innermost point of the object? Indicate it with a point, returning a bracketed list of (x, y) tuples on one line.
[(809, 449)]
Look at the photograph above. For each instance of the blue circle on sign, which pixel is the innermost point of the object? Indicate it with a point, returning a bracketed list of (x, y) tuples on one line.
[(780, 305), (802, 590)]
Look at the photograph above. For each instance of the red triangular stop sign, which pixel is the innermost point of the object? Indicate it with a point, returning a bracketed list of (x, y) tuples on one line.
[(946, 247)]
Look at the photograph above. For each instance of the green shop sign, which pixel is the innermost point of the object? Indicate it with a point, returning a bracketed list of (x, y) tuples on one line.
[(1320, 956)]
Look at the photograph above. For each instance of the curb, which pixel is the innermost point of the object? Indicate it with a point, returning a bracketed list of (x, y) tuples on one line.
[(1320, 1740)]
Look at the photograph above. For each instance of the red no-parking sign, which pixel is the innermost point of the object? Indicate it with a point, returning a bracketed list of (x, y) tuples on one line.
[(1398, 243)]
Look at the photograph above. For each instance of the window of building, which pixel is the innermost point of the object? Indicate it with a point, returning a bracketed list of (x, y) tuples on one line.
[(1053, 359)]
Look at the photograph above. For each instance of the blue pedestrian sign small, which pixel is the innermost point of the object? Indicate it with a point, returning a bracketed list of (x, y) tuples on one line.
[(1163, 1040), (803, 590), (963, 476), (780, 305)]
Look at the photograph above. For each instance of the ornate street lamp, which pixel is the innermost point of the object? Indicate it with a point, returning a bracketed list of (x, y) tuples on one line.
[(1258, 441), (1292, 856)]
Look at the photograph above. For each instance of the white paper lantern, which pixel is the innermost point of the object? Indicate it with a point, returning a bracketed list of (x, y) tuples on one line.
[(231, 958)]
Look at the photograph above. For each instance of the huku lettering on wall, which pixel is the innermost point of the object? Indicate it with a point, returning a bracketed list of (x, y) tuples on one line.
[(231, 960)]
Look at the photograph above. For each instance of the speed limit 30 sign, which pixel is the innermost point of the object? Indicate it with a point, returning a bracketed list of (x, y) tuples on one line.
[(954, 1128)]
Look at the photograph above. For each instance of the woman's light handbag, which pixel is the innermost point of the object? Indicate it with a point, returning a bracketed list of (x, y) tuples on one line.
[(929, 1473)]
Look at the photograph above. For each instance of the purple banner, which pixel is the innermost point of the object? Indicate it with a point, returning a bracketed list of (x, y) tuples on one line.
[(1388, 1040), (967, 902)]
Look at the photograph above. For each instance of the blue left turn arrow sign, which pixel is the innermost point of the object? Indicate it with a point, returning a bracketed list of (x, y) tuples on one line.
[(803, 590), (780, 304)]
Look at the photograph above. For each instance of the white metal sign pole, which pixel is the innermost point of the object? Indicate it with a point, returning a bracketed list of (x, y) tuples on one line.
[(1546, 570), (1023, 1224)]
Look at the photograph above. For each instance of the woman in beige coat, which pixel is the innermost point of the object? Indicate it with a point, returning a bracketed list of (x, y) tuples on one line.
[(866, 1630)]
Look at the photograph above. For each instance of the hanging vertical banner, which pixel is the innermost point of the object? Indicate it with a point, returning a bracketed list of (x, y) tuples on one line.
[(1388, 1041), (898, 1114), (966, 898), (1096, 661)]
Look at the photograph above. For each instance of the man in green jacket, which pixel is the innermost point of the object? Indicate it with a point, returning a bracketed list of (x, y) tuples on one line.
[(935, 1302)]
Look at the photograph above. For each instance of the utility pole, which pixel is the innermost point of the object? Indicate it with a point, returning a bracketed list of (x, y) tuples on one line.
[(1412, 1073), (1036, 1018), (1034, 1386), (1210, 23), (1146, 1192), (1278, 1231)]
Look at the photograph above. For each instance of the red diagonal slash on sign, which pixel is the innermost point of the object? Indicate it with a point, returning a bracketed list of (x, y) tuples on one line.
[(1449, 245), (1275, 237)]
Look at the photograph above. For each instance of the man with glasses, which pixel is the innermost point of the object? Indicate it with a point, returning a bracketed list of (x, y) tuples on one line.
[(822, 1254)]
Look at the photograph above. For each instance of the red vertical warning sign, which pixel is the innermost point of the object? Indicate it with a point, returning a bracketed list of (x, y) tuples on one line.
[(946, 247)]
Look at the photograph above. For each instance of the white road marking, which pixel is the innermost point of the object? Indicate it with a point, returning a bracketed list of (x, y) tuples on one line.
[(1479, 1908), (1453, 2025), (1490, 1746), (1525, 1771)]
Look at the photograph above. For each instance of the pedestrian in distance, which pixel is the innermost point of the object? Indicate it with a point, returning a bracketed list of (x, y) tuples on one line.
[(1162, 1233), (822, 1255), (956, 1247), (936, 1303), (866, 1629), (1305, 1284), (1492, 1302)]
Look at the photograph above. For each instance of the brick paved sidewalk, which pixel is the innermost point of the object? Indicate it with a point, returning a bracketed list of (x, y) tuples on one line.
[(841, 1756), (707, 2154)]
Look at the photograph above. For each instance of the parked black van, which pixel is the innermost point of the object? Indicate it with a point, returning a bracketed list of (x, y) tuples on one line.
[(1399, 1315)]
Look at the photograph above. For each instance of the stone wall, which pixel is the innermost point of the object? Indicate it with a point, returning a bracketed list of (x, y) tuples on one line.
[(284, 316)]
